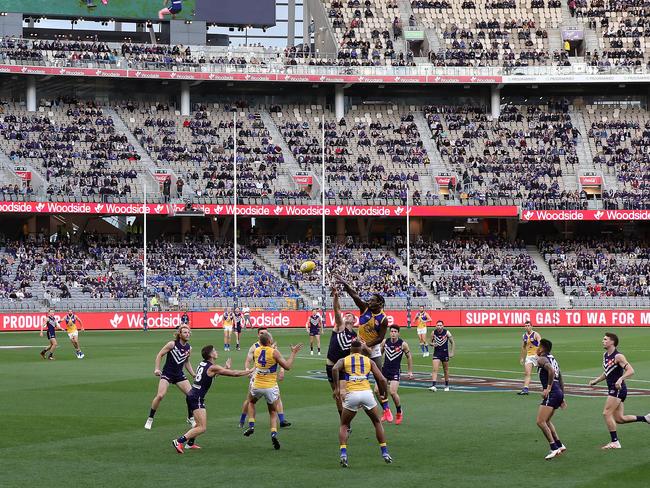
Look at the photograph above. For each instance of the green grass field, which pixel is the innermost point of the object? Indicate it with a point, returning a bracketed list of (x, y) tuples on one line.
[(80, 422)]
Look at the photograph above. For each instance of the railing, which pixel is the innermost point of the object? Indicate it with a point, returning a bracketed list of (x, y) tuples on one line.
[(275, 63)]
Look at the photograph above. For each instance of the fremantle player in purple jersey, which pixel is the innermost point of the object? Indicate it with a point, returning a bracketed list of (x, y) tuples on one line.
[(394, 349), (441, 338), (50, 322), (616, 370), (552, 396), (177, 354), (340, 342), (314, 327), (205, 373)]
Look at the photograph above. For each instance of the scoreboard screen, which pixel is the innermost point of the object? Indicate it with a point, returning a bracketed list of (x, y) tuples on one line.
[(259, 13)]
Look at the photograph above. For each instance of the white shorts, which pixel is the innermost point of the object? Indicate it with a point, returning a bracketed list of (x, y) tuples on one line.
[(422, 331), (375, 351), (531, 360), (227, 328), (270, 394), (355, 399), (73, 335)]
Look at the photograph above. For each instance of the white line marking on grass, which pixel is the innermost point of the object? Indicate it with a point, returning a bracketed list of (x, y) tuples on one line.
[(17, 347), (518, 373)]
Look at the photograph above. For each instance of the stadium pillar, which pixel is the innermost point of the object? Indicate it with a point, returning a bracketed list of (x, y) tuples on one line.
[(339, 102), (495, 101), (31, 94), (185, 98), (306, 22), (291, 23)]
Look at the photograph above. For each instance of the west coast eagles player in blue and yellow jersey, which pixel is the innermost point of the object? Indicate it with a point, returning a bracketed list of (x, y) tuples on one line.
[(373, 322), (528, 357), (357, 392), (267, 360), (71, 320), (422, 319)]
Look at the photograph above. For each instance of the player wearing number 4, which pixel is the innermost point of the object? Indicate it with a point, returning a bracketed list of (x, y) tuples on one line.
[(205, 373), (265, 382), (617, 370)]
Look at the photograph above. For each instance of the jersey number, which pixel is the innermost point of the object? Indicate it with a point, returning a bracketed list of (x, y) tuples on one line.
[(199, 372), (262, 358)]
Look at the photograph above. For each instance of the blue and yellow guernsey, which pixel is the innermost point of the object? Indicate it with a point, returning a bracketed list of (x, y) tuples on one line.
[(530, 344), (266, 367), (369, 325), (357, 367)]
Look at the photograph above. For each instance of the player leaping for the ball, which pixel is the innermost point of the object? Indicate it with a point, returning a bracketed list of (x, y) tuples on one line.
[(373, 322), (340, 342), (617, 370)]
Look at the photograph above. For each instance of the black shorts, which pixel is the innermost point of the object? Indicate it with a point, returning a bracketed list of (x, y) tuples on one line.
[(621, 394), (238, 328), (314, 332), (391, 375), (441, 357), (194, 402), (328, 370), (173, 378), (51, 335), (173, 9), (554, 399)]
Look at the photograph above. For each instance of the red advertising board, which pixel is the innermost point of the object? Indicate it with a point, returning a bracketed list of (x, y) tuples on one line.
[(550, 215), (120, 320), (305, 180), (265, 77), (590, 180), (24, 175)]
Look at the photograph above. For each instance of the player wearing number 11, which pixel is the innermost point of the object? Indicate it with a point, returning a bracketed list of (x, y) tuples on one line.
[(265, 382), (205, 373)]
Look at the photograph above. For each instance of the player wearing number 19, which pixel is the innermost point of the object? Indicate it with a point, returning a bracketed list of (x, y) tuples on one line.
[(265, 382), (205, 373)]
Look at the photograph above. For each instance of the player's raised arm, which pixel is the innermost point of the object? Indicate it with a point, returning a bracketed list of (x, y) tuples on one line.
[(336, 302), (287, 363), (409, 358), (352, 292), (628, 370), (166, 348), (380, 379)]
